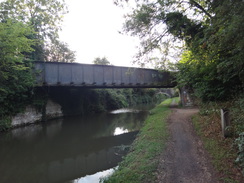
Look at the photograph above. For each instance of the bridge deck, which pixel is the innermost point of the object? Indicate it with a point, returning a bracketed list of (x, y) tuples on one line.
[(99, 76)]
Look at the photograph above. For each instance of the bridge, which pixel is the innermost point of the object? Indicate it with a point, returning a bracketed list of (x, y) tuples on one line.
[(100, 76)]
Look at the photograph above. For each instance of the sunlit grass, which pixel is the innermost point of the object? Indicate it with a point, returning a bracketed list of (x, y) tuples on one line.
[(167, 102), (177, 100)]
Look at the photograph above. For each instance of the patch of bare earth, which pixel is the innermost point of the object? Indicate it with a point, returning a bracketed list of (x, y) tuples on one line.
[(184, 160)]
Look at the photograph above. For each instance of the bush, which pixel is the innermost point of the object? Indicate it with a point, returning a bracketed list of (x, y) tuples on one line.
[(240, 158), (237, 115), (16, 78), (5, 123)]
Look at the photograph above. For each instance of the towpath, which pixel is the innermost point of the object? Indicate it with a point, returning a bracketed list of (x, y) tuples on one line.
[(184, 159)]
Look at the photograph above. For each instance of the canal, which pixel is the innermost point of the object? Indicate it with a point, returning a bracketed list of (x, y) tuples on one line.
[(71, 149)]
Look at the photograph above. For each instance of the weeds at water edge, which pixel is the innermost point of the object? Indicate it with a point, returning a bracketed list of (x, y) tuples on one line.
[(141, 162)]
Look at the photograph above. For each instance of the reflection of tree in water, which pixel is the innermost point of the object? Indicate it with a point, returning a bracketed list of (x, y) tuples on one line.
[(29, 151), (57, 163), (126, 121)]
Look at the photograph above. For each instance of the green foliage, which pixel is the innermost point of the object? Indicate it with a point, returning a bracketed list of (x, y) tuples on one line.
[(214, 67), (116, 99), (101, 61), (240, 144), (221, 150), (25, 25), (226, 39), (140, 96), (59, 51), (203, 78), (16, 78), (159, 23), (45, 17), (86, 101), (5, 123), (237, 114), (167, 102), (112, 99), (39, 99), (237, 118), (212, 32), (212, 64)]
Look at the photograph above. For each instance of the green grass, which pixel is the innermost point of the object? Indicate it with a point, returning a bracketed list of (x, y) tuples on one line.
[(177, 100), (141, 162), (167, 102), (221, 151)]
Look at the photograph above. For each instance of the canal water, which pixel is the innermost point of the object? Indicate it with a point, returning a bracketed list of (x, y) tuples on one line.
[(71, 149)]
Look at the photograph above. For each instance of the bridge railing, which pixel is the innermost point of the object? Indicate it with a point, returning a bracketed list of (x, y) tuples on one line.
[(99, 76)]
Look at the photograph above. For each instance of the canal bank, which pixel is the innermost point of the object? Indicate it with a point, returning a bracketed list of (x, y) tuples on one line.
[(51, 103), (141, 163), (194, 152), (71, 149)]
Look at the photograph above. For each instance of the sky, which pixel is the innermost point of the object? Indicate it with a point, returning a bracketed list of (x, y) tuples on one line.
[(91, 28)]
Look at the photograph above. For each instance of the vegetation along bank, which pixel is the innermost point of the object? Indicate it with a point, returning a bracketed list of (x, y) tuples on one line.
[(141, 163), (209, 37), (49, 103)]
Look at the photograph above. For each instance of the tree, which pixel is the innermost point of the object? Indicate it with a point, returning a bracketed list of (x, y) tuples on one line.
[(101, 61), (59, 52), (211, 31), (44, 16), (225, 39), (218, 54), (15, 70), (161, 23)]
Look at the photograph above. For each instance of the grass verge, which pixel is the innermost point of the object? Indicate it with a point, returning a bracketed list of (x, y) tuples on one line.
[(221, 149), (141, 162), (167, 102)]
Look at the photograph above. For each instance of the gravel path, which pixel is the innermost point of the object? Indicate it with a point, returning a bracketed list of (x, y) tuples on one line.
[(184, 160)]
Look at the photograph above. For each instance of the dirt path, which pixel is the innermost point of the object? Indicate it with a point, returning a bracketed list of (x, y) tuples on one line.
[(184, 160)]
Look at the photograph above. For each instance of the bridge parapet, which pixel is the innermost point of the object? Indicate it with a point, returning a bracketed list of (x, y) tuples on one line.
[(99, 76)]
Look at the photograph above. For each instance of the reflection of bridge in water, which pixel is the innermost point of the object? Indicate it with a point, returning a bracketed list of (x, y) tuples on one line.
[(79, 165), (74, 161), (100, 76), (82, 165)]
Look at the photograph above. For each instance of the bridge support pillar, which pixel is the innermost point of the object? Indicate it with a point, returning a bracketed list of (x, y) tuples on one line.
[(185, 97)]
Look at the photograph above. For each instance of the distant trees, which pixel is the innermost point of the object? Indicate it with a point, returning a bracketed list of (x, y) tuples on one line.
[(59, 51), (101, 61)]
